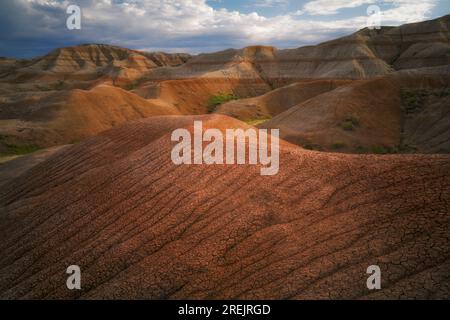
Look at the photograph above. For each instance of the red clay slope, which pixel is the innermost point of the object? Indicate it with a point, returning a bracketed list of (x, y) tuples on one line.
[(141, 227)]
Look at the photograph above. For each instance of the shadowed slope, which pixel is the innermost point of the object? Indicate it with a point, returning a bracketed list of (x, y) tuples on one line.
[(141, 227), (407, 111), (279, 100), (364, 54), (13, 169), (66, 117)]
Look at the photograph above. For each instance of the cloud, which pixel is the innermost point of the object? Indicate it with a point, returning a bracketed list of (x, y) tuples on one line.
[(326, 7), (270, 3), (400, 11), (36, 26), (408, 10)]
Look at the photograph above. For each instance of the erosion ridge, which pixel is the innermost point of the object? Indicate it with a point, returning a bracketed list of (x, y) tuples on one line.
[(141, 227), (403, 112)]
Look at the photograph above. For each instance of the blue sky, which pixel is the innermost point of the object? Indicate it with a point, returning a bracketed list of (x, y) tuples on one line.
[(273, 8), (35, 27)]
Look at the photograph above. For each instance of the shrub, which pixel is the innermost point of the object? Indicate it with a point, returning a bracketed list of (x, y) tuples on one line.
[(219, 99), (13, 149), (338, 145), (350, 123), (384, 150), (347, 126), (361, 149), (413, 100), (312, 146), (379, 150), (43, 88), (60, 85), (256, 121)]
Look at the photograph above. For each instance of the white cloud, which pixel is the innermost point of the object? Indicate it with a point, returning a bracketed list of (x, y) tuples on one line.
[(397, 12), (326, 7), (270, 3), (408, 10), (195, 25)]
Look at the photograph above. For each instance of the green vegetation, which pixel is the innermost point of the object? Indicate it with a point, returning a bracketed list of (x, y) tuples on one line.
[(273, 86), (379, 150), (219, 99), (376, 150), (443, 92), (413, 100), (75, 141), (255, 122), (361, 149), (132, 85), (350, 123), (60, 85), (19, 150), (384, 150), (338, 145), (312, 146), (43, 88)]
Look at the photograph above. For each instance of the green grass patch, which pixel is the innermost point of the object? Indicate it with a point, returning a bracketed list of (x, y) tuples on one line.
[(75, 141), (413, 99), (312, 146), (20, 150), (219, 99), (361, 149), (43, 88), (338, 145), (255, 122), (132, 85), (350, 123), (384, 150)]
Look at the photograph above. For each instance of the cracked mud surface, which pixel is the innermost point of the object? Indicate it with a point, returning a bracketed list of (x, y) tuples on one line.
[(141, 227)]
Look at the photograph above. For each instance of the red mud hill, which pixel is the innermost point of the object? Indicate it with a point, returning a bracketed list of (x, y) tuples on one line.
[(192, 96), (47, 119), (278, 100), (142, 227), (407, 112)]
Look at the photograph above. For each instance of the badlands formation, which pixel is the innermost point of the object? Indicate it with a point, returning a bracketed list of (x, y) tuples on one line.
[(74, 93), (104, 193), (141, 227)]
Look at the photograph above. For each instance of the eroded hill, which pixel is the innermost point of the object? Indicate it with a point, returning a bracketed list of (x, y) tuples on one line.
[(76, 92), (404, 112), (141, 227)]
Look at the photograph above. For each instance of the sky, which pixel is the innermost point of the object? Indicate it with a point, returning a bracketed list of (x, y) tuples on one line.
[(30, 28)]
